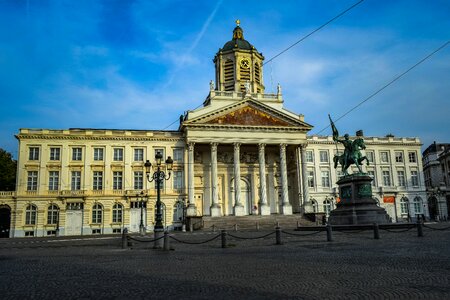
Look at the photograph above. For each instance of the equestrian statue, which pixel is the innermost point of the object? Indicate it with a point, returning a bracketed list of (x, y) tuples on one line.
[(352, 153)]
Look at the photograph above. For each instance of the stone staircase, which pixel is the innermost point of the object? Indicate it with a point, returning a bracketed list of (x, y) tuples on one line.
[(254, 222)]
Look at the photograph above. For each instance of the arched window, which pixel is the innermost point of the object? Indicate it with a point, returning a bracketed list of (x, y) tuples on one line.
[(315, 206), (52, 214), (404, 206), (327, 206), (97, 212), (30, 214), (417, 203), (178, 210), (117, 213)]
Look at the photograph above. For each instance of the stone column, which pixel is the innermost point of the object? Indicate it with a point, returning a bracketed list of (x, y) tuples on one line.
[(215, 207), (286, 208), (238, 207), (191, 209), (305, 187), (264, 208)]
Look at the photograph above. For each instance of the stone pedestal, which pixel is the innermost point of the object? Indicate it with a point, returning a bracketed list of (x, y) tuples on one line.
[(191, 210), (286, 209), (356, 204), (239, 210), (264, 210), (216, 211)]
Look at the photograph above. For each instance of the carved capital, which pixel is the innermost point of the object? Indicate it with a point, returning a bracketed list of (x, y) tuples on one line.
[(191, 146)]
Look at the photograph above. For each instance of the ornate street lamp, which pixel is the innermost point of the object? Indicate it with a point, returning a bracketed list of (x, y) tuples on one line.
[(141, 204), (158, 177)]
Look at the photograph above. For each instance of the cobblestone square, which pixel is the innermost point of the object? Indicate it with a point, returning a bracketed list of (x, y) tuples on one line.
[(352, 266)]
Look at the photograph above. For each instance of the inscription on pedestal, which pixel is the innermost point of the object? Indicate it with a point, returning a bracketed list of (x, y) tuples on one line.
[(364, 190), (346, 192)]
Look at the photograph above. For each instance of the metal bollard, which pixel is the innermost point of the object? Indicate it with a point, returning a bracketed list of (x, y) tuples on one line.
[(166, 241), (191, 227), (235, 227), (223, 234), (278, 235), (419, 228), (214, 228), (329, 233), (376, 231), (257, 226), (124, 238)]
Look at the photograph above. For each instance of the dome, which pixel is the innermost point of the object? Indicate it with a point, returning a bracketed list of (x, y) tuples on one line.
[(238, 41)]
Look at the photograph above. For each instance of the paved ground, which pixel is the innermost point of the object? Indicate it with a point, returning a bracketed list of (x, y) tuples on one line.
[(353, 266)]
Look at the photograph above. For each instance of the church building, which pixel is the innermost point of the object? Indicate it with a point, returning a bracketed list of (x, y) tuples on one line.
[(242, 153)]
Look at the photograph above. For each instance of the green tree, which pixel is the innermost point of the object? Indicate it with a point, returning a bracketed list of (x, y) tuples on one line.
[(8, 168)]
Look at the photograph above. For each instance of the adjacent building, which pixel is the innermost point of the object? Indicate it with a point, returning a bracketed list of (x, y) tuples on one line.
[(242, 153), (436, 169)]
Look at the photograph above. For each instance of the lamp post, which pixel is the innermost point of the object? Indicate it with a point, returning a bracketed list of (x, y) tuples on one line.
[(141, 204), (158, 177)]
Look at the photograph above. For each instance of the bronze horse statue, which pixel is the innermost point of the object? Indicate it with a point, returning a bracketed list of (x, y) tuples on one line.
[(354, 156)]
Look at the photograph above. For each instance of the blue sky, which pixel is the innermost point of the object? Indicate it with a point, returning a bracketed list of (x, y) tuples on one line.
[(140, 64)]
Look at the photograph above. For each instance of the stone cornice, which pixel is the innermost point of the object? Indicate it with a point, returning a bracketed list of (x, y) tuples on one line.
[(246, 127), (96, 138)]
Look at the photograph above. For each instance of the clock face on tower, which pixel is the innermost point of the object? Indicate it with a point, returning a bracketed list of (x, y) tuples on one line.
[(245, 63)]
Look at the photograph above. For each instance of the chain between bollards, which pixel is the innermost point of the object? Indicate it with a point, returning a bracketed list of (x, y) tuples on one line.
[(329, 233), (376, 231)]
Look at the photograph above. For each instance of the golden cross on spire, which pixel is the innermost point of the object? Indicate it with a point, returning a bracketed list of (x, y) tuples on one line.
[(238, 22)]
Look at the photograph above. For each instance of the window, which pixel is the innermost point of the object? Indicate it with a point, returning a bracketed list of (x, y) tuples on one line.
[(97, 183), (178, 180), (34, 153), (404, 206), (97, 214), (414, 178), (118, 154), (117, 180), (412, 157), (386, 178), (398, 157), (370, 156), (417, 203), (372, 174), (138, 180), (75, 182), (401, 178), (52, 215), (55, 153), (30, 215), (117, 213), (384, 156), (309, 156), (32, 181), (327, 207), (53, 180), (76, 153), (323, 156), (138, 154), (325, 178), (311, 179), (98, 154), (178, 154)]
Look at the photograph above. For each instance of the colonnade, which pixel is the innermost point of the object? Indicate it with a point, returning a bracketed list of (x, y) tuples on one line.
[(238, 207)]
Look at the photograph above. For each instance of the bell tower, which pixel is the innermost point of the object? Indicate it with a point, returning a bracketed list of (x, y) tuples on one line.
[(237, 63)]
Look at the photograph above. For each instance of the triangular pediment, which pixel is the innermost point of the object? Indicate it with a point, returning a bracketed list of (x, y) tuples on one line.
[(248, 113)]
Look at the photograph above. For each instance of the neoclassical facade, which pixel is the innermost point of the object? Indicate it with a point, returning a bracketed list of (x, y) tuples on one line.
[(242, 153)]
